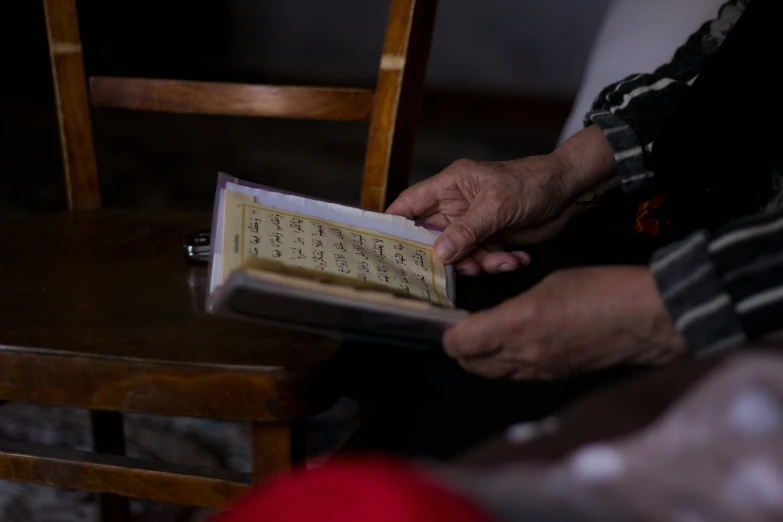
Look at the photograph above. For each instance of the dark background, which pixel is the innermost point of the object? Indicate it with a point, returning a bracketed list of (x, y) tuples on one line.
[(501, 78)]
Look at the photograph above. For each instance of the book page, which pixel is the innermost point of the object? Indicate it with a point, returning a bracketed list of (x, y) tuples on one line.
[(353, 254)]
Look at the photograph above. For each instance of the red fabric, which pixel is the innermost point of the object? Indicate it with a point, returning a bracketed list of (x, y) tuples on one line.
[(373, 489), (648, 216)]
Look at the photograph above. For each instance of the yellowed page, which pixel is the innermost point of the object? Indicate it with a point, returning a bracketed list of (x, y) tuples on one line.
[(353, 254), (232, 230), (362, 294)]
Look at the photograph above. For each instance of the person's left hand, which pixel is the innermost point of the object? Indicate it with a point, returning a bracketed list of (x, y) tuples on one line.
[(572, 322)]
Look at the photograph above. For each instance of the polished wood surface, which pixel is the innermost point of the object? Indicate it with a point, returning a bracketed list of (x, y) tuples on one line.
[(99, 310), (398, 99), (73, 112), (320, 103), (129, 477)]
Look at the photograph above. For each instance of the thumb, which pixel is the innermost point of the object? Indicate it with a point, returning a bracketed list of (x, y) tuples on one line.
[(465, 233)]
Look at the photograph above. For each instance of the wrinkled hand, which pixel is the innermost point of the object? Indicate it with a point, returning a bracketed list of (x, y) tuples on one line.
[(573, 321), (482, 205), (515, 201)]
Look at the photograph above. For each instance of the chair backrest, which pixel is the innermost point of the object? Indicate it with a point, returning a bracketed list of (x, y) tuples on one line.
[(392, 109)]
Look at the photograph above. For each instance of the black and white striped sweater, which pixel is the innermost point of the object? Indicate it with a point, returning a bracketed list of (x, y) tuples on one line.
[(722, 286)]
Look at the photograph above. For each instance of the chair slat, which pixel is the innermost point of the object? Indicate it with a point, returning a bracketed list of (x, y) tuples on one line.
[(130, 477), (320, 103)]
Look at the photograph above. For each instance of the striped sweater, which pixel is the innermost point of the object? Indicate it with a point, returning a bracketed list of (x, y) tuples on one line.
[(722, 285)]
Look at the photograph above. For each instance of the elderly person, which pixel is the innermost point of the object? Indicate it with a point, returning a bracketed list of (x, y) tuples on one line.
[(689, 139)]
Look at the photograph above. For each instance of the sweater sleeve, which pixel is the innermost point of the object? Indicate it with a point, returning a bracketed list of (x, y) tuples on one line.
[(632, 111), (725, 288)]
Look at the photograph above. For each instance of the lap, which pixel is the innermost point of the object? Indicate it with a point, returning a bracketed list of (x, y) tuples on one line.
[(421, 402)]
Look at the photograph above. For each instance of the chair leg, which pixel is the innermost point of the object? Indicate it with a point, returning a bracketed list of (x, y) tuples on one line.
[(276, 446), (108, 436)]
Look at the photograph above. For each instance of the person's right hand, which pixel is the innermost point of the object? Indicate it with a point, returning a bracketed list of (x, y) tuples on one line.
[(475, 201), (481, 205)]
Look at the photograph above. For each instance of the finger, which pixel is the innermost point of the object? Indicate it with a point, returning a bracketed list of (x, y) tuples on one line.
[(495, 262), (524, 257), (468, 267), (416, 202), (491, 262), (437, 219), (487, 367), (542, 232), (477, 335), (496, 244), (531, 372), (465, 233)]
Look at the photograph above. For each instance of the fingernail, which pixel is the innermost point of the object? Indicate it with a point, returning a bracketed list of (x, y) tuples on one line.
[(506, 267), (445, 249)]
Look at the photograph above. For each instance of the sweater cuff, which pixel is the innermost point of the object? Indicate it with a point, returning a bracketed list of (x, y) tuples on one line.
[(629, 153), (694, 295)]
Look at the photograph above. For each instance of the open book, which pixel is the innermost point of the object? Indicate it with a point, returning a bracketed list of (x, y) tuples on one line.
[(327, 268)]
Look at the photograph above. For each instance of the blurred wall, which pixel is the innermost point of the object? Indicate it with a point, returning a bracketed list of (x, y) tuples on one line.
[(502, 46), (153, 160), (489, 45)]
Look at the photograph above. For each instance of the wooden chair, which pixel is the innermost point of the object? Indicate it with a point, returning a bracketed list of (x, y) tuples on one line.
[(99, 310)]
